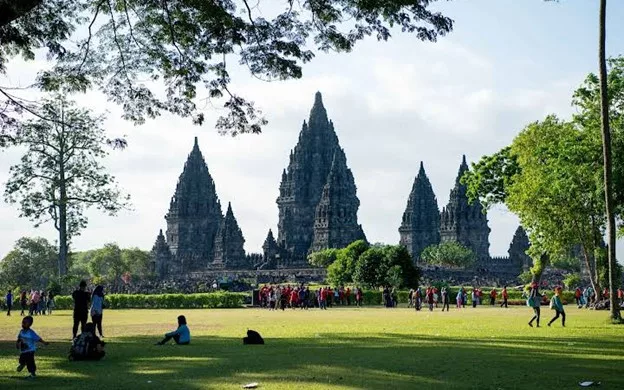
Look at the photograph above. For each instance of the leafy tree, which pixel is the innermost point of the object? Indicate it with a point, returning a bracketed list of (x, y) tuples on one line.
[(60, 174), (31, 264), (342, 268), (398, 256), (126, 47), (323, 258), (108, 264), (572, 281), (370, 269), (137, 262), (389, 265), (568, 263), (449, 253)]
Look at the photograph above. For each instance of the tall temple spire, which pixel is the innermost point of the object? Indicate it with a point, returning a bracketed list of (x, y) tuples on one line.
[(229, 244), (194, 214), (465, 222), (336, 224), (518, 248), (302, 186), (160, 258), (420, 226)]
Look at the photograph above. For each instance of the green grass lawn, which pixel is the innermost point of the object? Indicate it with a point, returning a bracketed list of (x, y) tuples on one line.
[(371, 348)]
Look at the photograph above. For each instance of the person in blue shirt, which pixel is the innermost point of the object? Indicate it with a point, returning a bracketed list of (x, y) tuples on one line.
[(9, 302), (181, 336), (27, 341)]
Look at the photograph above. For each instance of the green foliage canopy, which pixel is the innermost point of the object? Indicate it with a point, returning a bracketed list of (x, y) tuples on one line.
[(31, 264), (450, 254), (131, 49)]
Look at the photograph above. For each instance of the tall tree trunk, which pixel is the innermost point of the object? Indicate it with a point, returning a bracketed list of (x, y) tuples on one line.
[(63, 248), (593, 271), (606, 152)]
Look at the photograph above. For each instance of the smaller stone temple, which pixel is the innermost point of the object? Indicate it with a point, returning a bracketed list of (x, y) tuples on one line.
[(198, 237), (420, 226), (465, 222)]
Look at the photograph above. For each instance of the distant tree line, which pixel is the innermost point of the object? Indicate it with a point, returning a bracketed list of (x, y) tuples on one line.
[(32, 264)]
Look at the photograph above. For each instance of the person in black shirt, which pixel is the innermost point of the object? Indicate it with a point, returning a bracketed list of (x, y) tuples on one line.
[(82, 299)]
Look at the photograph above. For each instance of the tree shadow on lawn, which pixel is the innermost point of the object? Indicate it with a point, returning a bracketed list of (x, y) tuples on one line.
[(379, 361)]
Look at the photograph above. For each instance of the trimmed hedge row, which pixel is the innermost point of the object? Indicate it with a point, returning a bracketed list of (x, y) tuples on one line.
[(165, 301)]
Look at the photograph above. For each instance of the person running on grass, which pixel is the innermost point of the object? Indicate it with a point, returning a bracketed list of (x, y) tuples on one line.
[(557, 306), (534, 301), (81, 307), (181, 336), (27, 341)]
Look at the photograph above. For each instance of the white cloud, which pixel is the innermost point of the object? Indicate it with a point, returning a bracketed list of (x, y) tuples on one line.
[(392, 106)]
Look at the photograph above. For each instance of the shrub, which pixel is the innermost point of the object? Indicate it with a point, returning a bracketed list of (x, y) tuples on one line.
[(165, 301)]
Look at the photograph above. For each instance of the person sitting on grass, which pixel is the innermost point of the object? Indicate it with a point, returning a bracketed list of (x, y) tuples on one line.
[(181, 336), (27, 341), (87, 346)]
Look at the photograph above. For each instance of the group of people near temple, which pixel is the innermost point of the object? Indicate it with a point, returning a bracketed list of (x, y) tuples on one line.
[(432, 297), (35, 302), (86, 345), (274, 297)]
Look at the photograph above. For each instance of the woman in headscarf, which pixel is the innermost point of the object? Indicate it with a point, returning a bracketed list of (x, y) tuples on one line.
[(97, 308), (534, 301), (557, 306)]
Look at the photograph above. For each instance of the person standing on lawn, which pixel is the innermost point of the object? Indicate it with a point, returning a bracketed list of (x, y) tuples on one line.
[(9, 302), (97, 308), (445, 299), (557, 306), (493, 294), (505, 296), (534, 302), (81, 299), (23, 302), (577, 297)]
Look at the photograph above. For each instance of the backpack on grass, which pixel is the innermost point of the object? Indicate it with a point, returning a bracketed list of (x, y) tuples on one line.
[(253, 337)]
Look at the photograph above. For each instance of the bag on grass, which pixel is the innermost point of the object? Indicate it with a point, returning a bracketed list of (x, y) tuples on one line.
[(253, 337)]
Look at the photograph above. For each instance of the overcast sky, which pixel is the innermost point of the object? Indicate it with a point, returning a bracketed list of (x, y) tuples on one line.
[(393, 104)]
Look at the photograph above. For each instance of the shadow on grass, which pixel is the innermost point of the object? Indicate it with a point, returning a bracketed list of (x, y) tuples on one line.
[(376, 361)]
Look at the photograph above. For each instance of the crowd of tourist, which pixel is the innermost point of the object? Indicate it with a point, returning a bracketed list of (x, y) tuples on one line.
[(35, 302), (274, 297)]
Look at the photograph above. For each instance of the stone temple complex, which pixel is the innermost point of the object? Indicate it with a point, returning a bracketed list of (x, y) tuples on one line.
[(318, 208)]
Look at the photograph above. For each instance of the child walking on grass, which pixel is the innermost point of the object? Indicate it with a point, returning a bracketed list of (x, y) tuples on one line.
[(557, 306), (27, 341)]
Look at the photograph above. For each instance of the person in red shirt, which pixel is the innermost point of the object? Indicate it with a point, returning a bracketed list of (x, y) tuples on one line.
[(505, 296), (430, 298), (605, 293), (493, 294), (348, 296), (294, 298), (577, 296), (358, 297), (620, 295)]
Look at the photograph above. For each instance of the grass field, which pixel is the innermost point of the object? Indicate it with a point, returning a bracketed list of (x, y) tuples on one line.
[(371, 348)]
